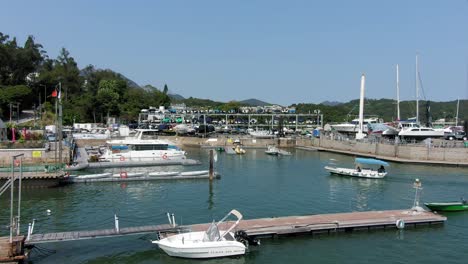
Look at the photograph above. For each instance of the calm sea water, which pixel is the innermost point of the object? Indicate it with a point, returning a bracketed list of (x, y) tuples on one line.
[(258, 186)]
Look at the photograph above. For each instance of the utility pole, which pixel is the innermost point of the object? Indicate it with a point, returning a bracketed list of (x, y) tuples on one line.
[(11, 112), (17, 112), (60, 123)]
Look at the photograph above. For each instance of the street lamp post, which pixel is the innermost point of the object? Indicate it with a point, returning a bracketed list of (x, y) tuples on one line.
[(317, 112)]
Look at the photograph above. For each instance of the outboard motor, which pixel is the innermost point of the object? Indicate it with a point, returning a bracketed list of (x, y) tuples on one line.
[(241, 236)]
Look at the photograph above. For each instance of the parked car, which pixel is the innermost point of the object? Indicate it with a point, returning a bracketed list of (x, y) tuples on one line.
[(459, 135)]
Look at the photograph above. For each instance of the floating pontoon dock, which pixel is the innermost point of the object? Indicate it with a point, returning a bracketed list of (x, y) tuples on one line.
[(275, 227)]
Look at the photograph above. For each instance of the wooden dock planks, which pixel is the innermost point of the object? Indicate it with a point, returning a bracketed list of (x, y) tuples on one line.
[(278, 226)]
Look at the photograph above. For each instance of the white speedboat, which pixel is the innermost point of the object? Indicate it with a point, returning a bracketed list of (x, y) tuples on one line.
[(363, 169), (212, 243), (144, 146), (272, 150)]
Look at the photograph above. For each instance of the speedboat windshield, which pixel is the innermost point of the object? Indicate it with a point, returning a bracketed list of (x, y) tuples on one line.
[(212, 233)]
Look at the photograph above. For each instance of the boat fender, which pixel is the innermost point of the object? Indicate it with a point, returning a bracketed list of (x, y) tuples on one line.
[(400, 223), (164, 156), (123, 174), (122, 158)]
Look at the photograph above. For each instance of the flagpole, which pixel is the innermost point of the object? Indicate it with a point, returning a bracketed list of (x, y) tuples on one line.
[(60, 123), (56, 127)]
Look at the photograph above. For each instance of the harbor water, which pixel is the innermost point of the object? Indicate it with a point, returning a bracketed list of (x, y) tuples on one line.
[(258, 186)]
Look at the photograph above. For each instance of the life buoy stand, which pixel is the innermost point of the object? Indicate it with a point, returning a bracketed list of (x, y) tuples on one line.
[(164, 156), (123, 174), (122, 158)]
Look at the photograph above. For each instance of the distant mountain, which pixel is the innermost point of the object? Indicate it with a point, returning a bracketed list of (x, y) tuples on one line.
[(148, 88), (254, 102), (331, 103), (131, 83), (176, 97)]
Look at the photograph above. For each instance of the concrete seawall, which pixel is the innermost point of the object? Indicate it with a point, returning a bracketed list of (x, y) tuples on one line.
[(411, 153), (408, 153)]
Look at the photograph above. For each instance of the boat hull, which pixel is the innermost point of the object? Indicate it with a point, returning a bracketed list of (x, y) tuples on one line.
[(447, 207), (370, 174), (191, 245)]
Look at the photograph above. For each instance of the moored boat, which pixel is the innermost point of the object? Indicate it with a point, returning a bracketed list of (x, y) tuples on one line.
[(194, 173), (448, 206), (272, 150), (95, 176), (364, 169), (163, 173), (144, 146), (212, 243)]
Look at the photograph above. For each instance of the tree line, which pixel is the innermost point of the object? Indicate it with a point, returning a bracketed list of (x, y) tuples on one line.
[(28, 77)]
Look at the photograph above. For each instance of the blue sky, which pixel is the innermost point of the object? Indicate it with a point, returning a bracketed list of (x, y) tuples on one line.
[(279, 51)]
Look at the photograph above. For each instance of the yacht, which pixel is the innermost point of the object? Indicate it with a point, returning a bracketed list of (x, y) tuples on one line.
[(144, 146), (353, 127), (421, 133), (261, 133)]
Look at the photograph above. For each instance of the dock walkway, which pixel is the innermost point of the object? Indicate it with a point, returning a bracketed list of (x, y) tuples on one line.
[(273, 227)]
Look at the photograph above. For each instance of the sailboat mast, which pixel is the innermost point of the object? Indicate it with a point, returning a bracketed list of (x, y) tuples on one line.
[(417, 90), (398, 92), (458, 106), (359, 134)]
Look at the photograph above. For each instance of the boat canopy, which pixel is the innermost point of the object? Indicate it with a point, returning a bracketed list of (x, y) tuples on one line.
[(371, 161)]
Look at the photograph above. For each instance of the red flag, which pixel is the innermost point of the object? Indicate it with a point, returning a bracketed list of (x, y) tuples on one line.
[(54, 93)]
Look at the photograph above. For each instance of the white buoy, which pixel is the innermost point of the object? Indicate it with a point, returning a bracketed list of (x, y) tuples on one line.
[(400, 224), (48, 211)]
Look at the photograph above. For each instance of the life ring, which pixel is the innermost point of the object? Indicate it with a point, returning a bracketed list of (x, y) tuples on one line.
[(123, 174), (164, 156), (67, 174), (122, 158), (17, 163)]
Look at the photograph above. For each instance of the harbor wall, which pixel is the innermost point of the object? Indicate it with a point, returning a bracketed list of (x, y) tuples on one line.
[(219, 141), (443, 152), (404, 152), (34, 155)]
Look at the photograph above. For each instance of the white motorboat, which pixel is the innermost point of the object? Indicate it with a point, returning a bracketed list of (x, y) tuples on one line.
[(363, 169), (272, 150), (261, 134), (144, 146), (212, 243)]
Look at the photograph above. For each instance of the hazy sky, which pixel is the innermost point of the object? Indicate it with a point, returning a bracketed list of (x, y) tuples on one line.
[(278, 51)]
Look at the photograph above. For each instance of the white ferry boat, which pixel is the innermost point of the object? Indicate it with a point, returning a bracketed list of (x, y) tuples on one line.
[(144, 146)]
